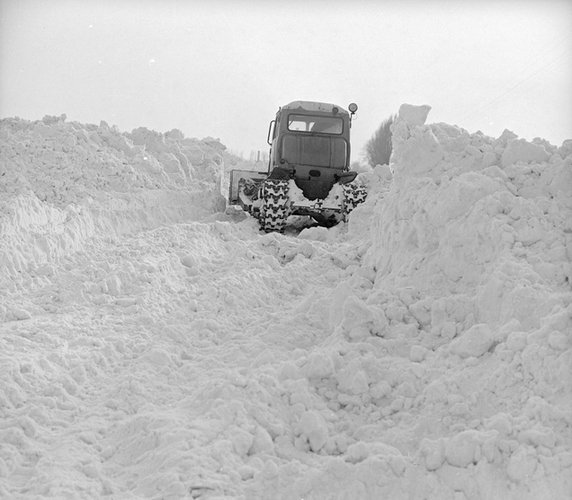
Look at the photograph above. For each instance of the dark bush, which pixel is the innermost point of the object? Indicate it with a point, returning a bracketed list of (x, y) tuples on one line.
[(378, 148)]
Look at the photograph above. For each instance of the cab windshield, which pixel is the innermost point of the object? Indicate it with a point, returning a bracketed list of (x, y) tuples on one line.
[(319, 124)]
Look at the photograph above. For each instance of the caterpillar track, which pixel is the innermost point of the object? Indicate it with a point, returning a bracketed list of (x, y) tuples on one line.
[(275, 205), (354, 194)]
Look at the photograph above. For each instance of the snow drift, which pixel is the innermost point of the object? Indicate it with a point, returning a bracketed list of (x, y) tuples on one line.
[(153, 346)]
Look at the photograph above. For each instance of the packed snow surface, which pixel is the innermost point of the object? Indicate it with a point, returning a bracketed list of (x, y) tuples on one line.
[(153, 345)]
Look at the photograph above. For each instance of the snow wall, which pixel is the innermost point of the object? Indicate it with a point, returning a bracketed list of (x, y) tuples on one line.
[(64, 183), (448, 371), (472, 246)]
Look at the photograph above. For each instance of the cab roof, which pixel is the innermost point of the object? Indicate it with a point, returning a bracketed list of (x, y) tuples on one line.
[(312, 106)]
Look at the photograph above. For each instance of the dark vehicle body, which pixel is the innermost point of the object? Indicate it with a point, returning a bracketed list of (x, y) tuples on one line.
[(308, 169), (310, 143)]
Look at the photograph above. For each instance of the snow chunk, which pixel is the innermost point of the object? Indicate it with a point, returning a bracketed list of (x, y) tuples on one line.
[(559, 341), (522, 464), (566, 148), (312, 427), (516, 341), (356, 314), (461, 450), (317, 233), (415, 149), (501, 422), (241, 441), (357, 452), (262, 442), (474, 342), (415, 153), (538, 436), (189, 260), (433, 451), (521, 150), (417, 353), (414, 115), (18, 314)]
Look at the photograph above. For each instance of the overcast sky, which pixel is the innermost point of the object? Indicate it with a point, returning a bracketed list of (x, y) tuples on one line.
[(222, 68)]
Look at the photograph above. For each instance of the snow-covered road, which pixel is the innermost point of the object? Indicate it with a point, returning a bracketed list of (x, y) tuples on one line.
[(156, 346), (162, 355), (152, 346)]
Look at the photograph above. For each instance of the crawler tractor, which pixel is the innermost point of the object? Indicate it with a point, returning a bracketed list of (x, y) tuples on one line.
[(308, 169)]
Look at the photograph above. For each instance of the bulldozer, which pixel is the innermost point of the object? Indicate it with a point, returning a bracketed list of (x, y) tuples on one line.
[(308, 170)]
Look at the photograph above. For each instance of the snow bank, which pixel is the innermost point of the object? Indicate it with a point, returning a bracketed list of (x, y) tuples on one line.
[(454, 336), (63, 183)]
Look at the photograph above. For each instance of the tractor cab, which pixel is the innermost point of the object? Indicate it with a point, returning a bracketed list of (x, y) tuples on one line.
[(310, 143)]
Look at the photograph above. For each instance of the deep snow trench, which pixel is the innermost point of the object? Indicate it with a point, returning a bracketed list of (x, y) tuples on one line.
[(153, 345)]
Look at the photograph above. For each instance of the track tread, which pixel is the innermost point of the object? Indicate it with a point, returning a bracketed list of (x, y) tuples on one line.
[(275, 207), (354, 194)]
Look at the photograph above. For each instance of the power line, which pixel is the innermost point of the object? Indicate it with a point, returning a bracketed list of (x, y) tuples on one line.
[(522, 81)]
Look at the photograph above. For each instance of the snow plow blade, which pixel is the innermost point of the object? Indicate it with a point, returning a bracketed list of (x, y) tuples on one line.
[(243, 186)]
